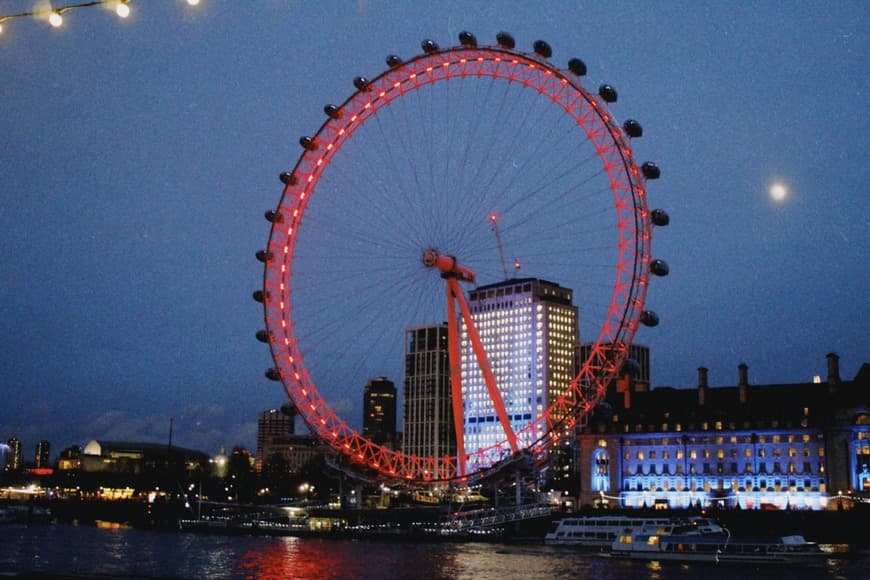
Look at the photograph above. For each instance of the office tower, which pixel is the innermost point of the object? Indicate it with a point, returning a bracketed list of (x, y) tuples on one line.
[(428, 410), (529, 330), (275, 428), (43, 450), (13, 456), (379, 411)]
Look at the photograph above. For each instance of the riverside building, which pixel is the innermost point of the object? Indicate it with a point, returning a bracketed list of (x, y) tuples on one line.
[(275, 433), (529, 331), (428, 407), (13, 455), (42, 459), (779, 446), (379, 411)]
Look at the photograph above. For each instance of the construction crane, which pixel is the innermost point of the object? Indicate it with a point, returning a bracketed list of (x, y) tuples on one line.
[(493, 218)]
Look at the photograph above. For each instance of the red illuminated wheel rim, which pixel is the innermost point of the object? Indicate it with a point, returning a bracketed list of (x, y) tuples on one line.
[(420, 157)]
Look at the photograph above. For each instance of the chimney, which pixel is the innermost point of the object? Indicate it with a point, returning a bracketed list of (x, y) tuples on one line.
[(833, 369), (743, 382), (623, 385), (702, 385)]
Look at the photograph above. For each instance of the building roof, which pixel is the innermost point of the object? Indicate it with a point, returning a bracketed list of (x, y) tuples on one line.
[(811, 405), (95, 447), (513, 282)]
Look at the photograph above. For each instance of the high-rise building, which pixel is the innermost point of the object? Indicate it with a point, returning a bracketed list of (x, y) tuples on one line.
[(529, 330), (379, 411), (13, 456), (428, 407), (43, 450), (275, 428)]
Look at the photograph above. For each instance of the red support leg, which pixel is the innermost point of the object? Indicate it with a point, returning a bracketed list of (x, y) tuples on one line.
[(483, 362), (455, 379)]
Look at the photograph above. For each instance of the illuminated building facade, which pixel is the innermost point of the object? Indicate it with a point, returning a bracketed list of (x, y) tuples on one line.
[(428, 408), (529, 331), (137, 458), (379, 411), (787, 446), (565, 471), (13, 455), (291, 456), (70, 459), (275, 430), (43, 454)]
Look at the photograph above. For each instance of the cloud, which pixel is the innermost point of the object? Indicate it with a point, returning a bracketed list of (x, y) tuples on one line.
[(116, 425)]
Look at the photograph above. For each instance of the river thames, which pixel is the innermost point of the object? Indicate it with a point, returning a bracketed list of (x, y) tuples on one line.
[(90, 551)]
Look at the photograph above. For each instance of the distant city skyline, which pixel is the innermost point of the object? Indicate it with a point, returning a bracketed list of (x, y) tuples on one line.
[(742, 372)]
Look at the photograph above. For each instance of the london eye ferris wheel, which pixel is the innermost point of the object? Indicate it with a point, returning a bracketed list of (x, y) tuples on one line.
[(458, 170)]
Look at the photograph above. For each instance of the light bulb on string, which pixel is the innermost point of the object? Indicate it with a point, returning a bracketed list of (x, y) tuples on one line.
[(54, 15)]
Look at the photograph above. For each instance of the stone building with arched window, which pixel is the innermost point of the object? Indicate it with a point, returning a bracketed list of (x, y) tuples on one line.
[(785, 446)]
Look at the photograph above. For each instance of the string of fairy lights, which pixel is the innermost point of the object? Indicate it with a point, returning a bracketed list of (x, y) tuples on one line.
[(55, 15)]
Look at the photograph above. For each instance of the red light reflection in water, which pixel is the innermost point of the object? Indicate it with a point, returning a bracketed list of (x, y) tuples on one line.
[(285, 558), (311, 558)]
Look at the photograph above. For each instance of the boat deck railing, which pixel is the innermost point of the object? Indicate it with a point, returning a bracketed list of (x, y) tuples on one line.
[(497, 516)]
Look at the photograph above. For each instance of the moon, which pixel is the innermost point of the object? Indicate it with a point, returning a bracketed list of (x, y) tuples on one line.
[(778, 192)]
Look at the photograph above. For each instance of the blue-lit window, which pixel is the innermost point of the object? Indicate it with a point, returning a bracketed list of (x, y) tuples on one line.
[(600, 470), (864, 478)]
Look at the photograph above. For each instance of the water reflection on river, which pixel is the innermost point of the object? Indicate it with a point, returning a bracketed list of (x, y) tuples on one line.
[(137, 553)]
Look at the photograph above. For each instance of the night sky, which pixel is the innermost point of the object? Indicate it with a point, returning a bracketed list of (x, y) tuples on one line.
[(139, 156)]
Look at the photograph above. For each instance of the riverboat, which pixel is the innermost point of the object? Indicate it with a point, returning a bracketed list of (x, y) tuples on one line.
[(215, 525), (601, 531), (716, 549)]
